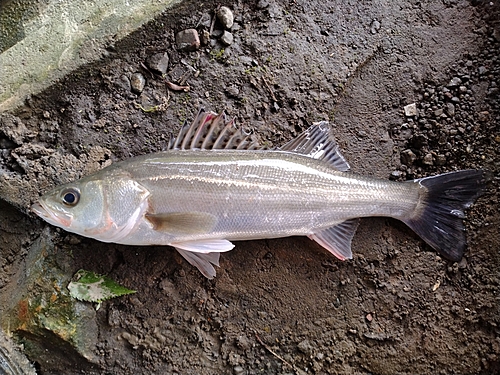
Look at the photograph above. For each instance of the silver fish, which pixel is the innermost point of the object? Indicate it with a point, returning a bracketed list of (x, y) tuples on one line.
[(214, 186)]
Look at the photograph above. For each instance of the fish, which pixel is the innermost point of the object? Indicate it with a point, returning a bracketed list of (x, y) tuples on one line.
[(215, 184)]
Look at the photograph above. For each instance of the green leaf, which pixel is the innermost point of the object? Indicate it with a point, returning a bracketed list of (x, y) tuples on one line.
[(91, 287)]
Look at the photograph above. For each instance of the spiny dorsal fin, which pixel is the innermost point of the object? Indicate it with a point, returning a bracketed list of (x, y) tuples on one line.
[(317, 143), (210, 131)]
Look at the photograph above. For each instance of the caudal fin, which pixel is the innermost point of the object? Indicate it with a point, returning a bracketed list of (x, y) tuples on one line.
[(438, 218)]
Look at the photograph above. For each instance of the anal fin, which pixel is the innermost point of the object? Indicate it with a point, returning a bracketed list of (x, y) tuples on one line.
[(337, 239), (203, 261)]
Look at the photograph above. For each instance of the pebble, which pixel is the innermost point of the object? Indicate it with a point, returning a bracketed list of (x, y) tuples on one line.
[(226, 17), (375, 27), (305, 347), (124, 82), (482, 70), (205, 37), (137, 82), (187, 40), (428, 160), (227, 38), (158, 62), (454, 82), (262, 4), (408, 157), (238, 370), (450, 109), (440, 159), (411, 110)]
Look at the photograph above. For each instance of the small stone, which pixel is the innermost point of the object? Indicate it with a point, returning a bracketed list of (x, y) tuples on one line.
[(262, 4), (482, 70), (428, 160), (483, 116), (408, 157), (124, 82), (226, 17), (227, 38), (158, 62), (450, 109), (438, 112), (462, 89), (187, 40), (455, 81), (137, 82), (205, 21), (233, 91), (396, 174), (411, 110), (375, 27), (205, 37), (369, 317), (238, 370), (440, 159), (305, 347)]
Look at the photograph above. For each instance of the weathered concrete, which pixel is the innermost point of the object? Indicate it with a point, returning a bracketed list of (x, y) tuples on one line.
[(41, 41)]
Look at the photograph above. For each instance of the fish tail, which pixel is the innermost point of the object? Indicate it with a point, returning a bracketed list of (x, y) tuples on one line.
[(438, 217)]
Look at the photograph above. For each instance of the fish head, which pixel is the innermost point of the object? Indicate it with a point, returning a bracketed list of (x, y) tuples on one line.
[(106, 208)]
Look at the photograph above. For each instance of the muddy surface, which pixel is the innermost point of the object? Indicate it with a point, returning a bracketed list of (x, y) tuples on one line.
[(283, 306)]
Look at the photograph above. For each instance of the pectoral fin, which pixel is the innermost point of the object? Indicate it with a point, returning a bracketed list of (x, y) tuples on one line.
[(203, 261), (182, 223), (337, 239), (205, 246)]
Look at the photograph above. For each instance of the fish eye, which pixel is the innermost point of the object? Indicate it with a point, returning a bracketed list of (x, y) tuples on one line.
[(70, 197)]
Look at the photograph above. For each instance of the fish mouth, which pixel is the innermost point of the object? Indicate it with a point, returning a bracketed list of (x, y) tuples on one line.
[(60, 219)]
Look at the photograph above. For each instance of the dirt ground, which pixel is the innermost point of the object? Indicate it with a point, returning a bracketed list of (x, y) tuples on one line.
[(283, 306)]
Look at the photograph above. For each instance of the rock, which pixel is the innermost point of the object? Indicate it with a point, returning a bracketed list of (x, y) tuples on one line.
[(233, 91), (124, 83), (440, 159), (187, 40), (158, 62), (57, 329), (227, 38), (262, 4), (411, 110), (226, 17), (137, 82), (205, 21), (305, 347), (238, 370), (12, 361), (482, 70), (438, 112), (205, 37), (396, 174), (428, 160), (450, 109), (454, 82), (408, 157), (375, 27)]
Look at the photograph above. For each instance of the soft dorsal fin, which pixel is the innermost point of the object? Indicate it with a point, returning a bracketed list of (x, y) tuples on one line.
[(317, 143), (210, 131)]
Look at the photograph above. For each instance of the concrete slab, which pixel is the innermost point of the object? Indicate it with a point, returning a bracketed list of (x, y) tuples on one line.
[(41, 41)]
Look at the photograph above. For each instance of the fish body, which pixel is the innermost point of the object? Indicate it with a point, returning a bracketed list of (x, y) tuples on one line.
[(213, 187)]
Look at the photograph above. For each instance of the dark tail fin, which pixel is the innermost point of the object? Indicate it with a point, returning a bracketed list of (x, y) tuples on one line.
[(438, 218)]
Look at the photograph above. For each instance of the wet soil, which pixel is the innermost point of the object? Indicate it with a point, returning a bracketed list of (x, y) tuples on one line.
[(283, 306)]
